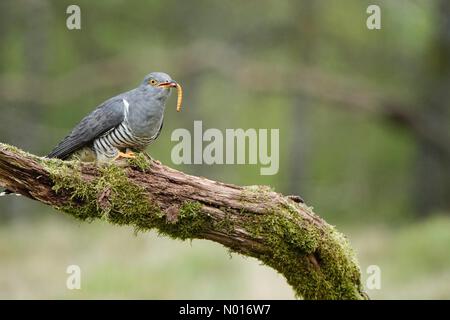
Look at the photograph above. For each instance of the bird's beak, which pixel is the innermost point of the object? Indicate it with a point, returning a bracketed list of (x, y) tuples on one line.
[(173, 84), (170, 84)]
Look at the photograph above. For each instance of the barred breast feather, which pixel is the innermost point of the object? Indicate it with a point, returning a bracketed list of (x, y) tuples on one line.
[(120, 137)]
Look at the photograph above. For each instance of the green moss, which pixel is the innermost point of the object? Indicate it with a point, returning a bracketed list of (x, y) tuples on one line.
[(340, 264), (140, 162), (256, 191), (328, 269), (317, 262), (126, 202), (18, 151), (12, 148), (110, 195), (188, 224), (252, 194), (225, 225), (67, 179)]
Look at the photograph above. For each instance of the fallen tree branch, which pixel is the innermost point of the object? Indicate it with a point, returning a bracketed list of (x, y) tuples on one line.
[(255, 221)]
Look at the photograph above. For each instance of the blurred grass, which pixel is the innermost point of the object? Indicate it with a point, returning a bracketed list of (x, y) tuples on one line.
[(414, 259), (116, 263)]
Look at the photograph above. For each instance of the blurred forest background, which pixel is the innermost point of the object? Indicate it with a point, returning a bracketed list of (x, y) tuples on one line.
[(364, 130)]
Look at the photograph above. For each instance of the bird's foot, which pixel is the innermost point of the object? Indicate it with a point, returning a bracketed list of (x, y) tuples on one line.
[(129, 154)]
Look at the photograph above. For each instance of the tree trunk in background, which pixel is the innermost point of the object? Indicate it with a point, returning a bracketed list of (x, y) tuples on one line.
[(34, 25), (5, 208), (37, 16), (433, 165), (5, 23), (304, 48)]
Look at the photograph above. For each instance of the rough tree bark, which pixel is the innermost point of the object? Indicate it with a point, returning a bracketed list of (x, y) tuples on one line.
[(255, 221)]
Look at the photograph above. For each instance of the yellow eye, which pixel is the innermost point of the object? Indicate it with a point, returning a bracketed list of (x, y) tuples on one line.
[(152, 82)]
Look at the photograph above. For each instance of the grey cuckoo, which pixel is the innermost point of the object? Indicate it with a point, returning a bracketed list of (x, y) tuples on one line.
[(125, 123)]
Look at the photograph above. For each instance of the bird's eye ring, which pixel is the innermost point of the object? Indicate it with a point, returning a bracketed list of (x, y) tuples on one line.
[(152, 82)]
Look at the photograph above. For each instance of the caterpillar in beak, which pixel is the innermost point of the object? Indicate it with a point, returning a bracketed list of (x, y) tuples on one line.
[(179, 97)]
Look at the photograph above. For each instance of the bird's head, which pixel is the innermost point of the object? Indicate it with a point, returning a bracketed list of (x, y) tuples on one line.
[(158, 84)]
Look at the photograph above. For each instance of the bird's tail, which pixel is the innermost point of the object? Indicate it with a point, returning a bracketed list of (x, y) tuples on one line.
[(8, 192)]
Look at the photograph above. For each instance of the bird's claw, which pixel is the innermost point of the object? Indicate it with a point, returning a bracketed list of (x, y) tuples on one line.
[(128, 154)]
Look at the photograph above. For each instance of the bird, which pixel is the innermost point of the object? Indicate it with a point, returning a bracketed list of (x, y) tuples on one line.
[(121, 125)]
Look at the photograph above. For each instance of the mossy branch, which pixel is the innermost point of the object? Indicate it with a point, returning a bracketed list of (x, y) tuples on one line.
[(255, 221)]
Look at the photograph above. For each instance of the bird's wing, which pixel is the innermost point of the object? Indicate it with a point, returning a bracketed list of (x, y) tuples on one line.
[(160, 128), (107, 116)]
